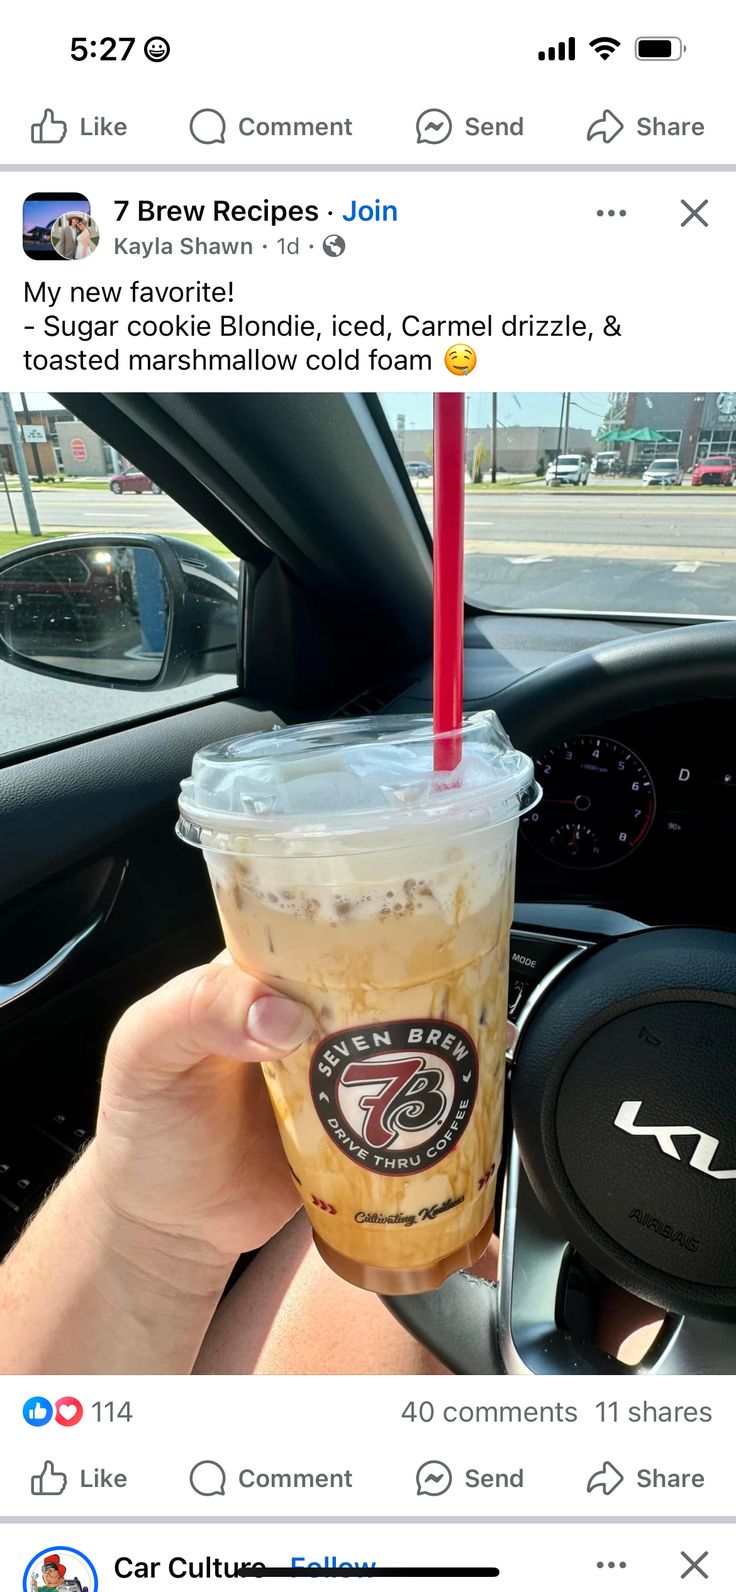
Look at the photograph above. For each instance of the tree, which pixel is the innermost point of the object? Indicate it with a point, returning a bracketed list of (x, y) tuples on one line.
[(478, 463)]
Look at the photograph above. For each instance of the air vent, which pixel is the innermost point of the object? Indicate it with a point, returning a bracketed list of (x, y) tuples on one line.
[(376, 700)]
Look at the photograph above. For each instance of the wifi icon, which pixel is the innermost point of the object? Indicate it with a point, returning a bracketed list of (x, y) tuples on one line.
[(605, 47)]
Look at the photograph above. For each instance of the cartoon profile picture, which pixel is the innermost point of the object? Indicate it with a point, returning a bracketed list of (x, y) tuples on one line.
[(60, 1567), (74, 235)]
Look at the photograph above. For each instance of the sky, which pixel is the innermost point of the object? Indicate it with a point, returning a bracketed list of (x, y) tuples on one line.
[(514, 409), (41, 212)]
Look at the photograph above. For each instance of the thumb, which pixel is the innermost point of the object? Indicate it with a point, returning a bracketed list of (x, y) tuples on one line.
[(212, 1010)]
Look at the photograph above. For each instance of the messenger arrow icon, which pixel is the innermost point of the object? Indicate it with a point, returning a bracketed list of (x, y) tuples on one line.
[(607, 1479)]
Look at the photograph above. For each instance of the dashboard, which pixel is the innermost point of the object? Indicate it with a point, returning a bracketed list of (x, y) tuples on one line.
[(639, 815)]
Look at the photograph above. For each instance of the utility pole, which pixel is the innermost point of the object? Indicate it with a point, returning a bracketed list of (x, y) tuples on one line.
[(559, 430), (34, 448), (10, 500), (494, 434), (20, 464), (567, 422)]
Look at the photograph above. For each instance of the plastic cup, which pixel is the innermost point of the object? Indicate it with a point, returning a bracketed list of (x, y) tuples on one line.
[(351, 876)]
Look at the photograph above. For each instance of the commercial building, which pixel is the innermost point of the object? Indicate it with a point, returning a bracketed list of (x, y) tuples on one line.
[(692, 425), (82, 452), (37, 428), (519, 449), (55, 443)]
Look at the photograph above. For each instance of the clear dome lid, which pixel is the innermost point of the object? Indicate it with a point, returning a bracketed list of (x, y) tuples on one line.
[(371, 777)]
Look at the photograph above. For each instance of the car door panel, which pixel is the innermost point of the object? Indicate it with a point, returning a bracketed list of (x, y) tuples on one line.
[(90, 864), (71, 802)]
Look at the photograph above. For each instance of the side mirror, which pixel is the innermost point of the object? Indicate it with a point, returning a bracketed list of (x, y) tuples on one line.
[(139, 613)]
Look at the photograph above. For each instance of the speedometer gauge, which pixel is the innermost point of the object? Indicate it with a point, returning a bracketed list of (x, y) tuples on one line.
[(597, 806)]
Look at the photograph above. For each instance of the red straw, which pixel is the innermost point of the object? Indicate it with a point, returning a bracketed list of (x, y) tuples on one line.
[(449, 526)]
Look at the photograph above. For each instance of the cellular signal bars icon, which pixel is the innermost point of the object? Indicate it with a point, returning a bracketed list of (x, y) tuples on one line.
[(559, 52)]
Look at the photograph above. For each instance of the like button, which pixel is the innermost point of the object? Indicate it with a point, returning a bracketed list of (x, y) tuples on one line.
[(50, 1483), (49, 130)]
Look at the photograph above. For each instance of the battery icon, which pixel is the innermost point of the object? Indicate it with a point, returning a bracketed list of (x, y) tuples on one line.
[(659, 49)]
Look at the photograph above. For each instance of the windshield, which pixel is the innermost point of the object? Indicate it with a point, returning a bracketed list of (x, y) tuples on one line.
[(602, 542)]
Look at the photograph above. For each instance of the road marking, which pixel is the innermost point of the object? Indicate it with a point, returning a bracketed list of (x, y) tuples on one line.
[(684, 569), (664, 511), (642, 552), (532, 558)]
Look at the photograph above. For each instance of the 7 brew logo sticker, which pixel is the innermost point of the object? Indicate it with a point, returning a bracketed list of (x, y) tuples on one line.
[(396, 1098)]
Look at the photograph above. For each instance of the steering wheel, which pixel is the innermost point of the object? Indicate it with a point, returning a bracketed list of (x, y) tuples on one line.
[(622, 1089)]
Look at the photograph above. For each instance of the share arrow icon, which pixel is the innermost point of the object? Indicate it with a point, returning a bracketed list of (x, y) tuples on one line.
[(607, 1479)]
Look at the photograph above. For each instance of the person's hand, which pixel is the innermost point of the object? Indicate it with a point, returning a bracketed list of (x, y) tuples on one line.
[(187, 1146)]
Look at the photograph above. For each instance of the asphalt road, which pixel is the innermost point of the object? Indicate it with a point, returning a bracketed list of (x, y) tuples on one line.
[(90, 508), (36, 710), (647, 551), (659, 551), (565, 521)]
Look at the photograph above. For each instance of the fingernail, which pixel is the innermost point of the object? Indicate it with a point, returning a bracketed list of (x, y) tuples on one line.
[(278, 1023)]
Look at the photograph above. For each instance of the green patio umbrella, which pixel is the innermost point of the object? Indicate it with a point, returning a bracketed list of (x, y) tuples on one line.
[(644, 434)]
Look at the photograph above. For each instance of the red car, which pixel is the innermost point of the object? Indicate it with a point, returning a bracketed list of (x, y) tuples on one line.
[(132, 480), (718, 470)]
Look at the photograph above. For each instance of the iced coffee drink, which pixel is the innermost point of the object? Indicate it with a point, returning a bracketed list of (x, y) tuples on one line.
[(352, 877)]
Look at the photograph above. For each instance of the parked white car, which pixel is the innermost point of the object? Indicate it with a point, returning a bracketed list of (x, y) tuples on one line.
[(571, 469), (662, 472), (606, 463)]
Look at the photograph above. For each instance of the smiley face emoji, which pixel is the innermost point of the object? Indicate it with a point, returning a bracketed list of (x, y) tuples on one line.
[(156, 49), (460, 359)]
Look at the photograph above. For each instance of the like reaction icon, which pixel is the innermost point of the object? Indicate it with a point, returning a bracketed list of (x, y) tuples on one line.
[(38, 1412), (50, 1483), (50, 130)]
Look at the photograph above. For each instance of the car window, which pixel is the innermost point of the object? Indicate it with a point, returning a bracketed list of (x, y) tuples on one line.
[(95, 606), (607, 541)]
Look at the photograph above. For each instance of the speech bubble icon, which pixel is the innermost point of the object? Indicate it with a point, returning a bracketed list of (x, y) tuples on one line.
[(208, 1479), (208, 126), (434, 1478), (433, 127)]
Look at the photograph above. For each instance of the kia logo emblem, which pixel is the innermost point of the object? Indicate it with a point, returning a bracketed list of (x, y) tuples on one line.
[(705, 1150)]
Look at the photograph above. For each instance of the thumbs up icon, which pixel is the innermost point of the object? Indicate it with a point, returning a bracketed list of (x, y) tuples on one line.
[(50, 1483), (48, 130)]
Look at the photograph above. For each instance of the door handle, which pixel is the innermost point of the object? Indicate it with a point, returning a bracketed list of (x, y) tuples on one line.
[(24, 986)]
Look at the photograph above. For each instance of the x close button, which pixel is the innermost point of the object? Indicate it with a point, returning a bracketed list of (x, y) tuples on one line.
[(694, 213), (694, 1564)]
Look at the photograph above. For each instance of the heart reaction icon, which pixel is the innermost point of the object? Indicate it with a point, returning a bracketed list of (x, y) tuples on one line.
[(69, 1412)]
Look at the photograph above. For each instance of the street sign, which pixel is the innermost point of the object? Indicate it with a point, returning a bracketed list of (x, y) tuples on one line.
[(78, 449), (33, 433)]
